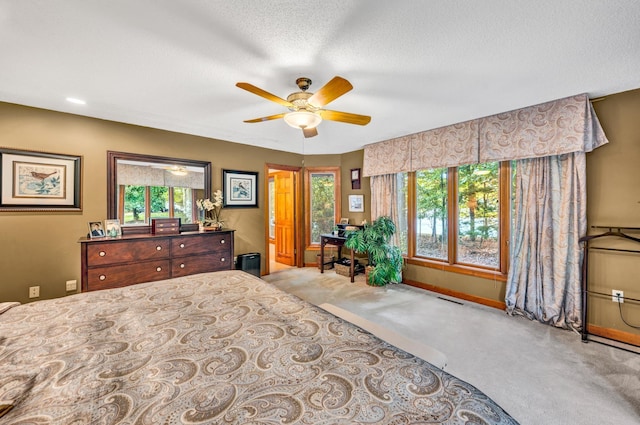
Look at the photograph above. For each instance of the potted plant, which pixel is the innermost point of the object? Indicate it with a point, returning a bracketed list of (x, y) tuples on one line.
[(211, 211), (384, 259)]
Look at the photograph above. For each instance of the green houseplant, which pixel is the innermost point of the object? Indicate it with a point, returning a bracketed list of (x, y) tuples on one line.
[(385, 259)]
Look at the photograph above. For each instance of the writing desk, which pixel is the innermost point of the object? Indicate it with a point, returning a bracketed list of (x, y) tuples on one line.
[(335, 240)]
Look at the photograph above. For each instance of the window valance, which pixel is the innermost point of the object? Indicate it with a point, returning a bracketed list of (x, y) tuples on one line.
[(137, 175), (551, 128), (388, 157)]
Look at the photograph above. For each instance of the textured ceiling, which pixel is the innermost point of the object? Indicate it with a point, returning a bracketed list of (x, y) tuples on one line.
[(414, 65)]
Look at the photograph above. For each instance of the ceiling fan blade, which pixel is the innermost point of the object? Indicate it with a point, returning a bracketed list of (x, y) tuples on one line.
[(329, 92), (256, 90), (269, 118), (310, 132), (344, 117)]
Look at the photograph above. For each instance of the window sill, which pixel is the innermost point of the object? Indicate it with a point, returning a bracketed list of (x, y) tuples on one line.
[(458, 268)]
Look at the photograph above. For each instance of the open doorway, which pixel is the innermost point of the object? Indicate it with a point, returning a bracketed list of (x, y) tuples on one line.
[(282, 218)]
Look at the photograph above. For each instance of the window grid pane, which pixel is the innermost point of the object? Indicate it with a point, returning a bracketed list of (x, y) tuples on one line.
[(134, 201), (322, 197), (159, 202), (183, 204), (431, 204), (478, 215)]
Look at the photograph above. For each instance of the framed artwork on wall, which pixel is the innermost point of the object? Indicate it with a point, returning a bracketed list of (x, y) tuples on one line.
[(355, 178), (356, 203), (39, 181), (239, 189)]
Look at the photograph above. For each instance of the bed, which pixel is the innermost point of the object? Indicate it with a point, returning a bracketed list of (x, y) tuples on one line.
[(215, 348)]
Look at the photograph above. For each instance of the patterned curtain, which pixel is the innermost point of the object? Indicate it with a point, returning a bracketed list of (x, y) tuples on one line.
[(384, 200), (550, 217)]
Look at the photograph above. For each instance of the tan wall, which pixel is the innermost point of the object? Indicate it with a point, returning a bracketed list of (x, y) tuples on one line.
[(613, 199), (41, 248)]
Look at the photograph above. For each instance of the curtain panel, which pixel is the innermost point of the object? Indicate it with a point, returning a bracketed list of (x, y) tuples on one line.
[(384, 200), (552, 128), (546, 257)]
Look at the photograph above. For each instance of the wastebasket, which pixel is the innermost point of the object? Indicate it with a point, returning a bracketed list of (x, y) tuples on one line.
[(249, 263)]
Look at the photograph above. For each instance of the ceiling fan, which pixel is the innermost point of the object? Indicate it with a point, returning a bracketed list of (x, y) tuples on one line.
[(306, 108)]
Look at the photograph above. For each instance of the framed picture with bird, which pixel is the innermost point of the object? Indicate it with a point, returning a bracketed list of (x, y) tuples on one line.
[(39, 181)]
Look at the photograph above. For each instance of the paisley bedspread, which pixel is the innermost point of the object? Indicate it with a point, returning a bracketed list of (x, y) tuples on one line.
[(215, 348)]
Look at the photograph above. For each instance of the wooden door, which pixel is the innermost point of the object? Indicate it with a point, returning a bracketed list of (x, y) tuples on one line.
[(285, 219)]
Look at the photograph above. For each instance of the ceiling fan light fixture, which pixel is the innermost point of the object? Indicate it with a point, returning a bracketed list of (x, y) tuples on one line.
[(178, 171), (303, 119)]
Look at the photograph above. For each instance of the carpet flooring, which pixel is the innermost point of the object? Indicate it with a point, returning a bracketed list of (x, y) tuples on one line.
[(539, 374)]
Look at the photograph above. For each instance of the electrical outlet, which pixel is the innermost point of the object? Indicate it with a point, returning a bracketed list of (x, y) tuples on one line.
[(617, 296), (34, 291), (72, 285)]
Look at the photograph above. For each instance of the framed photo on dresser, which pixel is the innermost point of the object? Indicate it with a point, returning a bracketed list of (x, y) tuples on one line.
[(112, 228)]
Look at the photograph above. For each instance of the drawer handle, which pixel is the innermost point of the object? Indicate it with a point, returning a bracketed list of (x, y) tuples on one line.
[(102, 253), (102, 277), (222, 241), (158, 269), (181, 245), (158, 248), (182, 265), (223, 260)]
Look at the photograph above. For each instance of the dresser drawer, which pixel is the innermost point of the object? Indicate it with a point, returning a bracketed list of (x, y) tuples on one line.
[(200, 264), (200, 244), (127, 274), (131, 251)]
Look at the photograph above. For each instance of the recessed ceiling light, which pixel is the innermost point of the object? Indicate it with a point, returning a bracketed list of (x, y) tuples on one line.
[(76, 101)]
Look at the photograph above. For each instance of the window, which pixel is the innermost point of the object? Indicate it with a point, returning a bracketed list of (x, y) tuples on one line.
[(322, 202), (460, 218)]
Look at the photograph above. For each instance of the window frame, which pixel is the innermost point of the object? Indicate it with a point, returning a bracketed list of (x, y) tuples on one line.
[(308, 173), (451, 264)]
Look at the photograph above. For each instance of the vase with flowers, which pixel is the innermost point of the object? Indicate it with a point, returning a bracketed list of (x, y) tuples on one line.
[(211, 210)]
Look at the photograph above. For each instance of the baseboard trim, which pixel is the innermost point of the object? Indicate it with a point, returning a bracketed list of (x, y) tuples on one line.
[(456, 294), (614, 334)]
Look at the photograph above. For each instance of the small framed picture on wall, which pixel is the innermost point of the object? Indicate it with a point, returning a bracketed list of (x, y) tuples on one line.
[(355, 178), (239, 189), (356, 203)]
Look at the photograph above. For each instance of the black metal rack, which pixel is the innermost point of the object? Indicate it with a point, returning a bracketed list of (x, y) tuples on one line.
[(611, 231)]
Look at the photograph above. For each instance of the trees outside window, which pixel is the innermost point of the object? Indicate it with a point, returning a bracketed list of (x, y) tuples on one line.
[(431, 213), (322, 201), (478, 215), (142, 203), (457, 220)]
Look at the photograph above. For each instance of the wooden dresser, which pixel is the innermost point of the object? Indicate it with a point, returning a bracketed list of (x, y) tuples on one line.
[(127, 260)]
